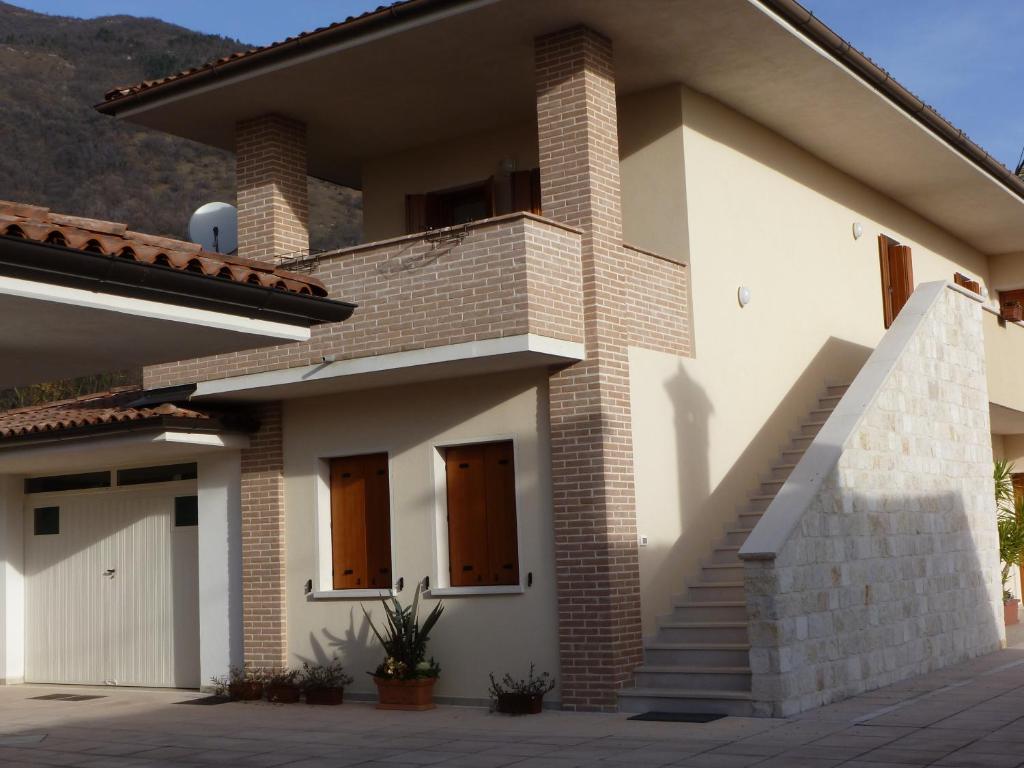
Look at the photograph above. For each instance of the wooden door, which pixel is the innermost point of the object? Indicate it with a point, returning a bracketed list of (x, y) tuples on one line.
[(361, 522)]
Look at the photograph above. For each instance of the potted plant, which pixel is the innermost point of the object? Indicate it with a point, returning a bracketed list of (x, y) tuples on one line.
[(243, 683), (1012, 311), (324, 683), (1010, 523), (282, 686), (513, 696), (405, 679)]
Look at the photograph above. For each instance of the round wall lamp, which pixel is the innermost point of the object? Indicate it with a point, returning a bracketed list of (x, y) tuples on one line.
[(743, 295), (858, 230)]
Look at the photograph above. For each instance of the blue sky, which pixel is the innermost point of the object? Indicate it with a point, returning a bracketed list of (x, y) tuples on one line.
[(960, 57)]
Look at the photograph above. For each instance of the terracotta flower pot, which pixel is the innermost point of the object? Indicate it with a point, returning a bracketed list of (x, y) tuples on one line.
[(414, 695), (1011, 611), (245, 691), (283, 693), (328, 696), (1012, 311), (520, 704)]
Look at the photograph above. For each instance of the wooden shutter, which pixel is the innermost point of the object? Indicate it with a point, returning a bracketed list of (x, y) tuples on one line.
[(526, 190), (467, 516), (415, 214), (361, 522), (897, 277), (500, 485)]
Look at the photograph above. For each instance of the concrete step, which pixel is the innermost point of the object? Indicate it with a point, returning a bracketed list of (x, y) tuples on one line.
[(780, 472), (829, 401), (800, 442), (836, 389), (736, 703), (726, 554), (759, 501), (715, 573), (791, 456), (693, 678), (723, 610), (771, 487), (810, 428), (703, 633), (820, 414), (748, 519), (735, 537), (696, 654), (701, 592)]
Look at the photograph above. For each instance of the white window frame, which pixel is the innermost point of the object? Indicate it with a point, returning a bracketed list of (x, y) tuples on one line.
[(440, 585), (323, 579)]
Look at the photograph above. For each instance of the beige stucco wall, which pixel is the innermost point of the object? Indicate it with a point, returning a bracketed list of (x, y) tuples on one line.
[(1004, 351), (478, 634), (388, 179), (765, 214)]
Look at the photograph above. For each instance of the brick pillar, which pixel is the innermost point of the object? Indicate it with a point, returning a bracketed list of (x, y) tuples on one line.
[(273, 199), (264, 614), (591, 439)]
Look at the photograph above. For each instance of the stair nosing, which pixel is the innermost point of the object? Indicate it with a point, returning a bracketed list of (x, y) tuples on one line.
[(712, 604), (702, 624), (684, 669), (661, 645), (704, 584), (686, 693)]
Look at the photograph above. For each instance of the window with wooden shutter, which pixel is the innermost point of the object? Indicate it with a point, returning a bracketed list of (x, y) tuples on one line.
[(526, 191), (361, 522), (897, 276), (483, 547)]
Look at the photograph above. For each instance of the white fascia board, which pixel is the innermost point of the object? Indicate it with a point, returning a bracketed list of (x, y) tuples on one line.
[(487, 348), (76, 297)]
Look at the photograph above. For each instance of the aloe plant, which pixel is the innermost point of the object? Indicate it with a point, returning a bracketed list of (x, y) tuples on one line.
[(405, 640)]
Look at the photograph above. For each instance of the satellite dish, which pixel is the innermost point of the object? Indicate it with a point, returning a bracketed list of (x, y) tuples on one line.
[(215, 227)]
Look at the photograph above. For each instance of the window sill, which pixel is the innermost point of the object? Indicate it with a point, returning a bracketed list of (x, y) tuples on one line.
[(511, 589), (350, 594)]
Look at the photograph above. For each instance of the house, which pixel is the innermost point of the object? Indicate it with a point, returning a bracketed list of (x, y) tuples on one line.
[(678, 367)]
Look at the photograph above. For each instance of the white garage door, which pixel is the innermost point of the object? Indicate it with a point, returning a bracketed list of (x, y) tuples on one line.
[(111, 587)]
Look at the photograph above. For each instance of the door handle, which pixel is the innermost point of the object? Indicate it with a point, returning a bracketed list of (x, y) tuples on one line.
[(110, 572)]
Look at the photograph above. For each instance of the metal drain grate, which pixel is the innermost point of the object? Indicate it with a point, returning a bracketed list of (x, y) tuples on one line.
[(65, 697), (678, 717)]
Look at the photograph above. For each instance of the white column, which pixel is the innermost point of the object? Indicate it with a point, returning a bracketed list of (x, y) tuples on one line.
[(220, 565), (12, 581)]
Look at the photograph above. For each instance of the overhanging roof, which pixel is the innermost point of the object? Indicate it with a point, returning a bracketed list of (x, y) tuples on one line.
[(79, 296), (427, 70)]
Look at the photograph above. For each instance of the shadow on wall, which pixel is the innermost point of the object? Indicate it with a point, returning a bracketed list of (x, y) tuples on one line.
[(705, 505), (872, 589)]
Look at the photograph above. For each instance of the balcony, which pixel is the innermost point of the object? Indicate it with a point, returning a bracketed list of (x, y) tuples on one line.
[(496, 294)]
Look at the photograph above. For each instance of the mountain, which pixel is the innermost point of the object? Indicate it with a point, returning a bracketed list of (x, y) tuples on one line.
[(56, 151)]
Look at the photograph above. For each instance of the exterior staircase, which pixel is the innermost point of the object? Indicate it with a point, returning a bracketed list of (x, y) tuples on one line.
[(699, 659)]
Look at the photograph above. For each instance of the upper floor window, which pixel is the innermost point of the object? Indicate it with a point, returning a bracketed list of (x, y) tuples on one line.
[(472, 202), (897, 276)]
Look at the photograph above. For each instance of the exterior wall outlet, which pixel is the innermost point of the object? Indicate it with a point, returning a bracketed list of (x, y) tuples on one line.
[(643, 541)]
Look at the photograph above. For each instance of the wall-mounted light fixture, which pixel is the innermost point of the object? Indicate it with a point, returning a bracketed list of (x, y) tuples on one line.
[(743, 295), (858, 230)]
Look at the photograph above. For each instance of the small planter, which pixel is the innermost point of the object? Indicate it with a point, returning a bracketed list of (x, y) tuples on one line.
[(245, 691), (1011, 612), (327, 696), (520, 704), (283, 693), (1012, 311), (413, 695)]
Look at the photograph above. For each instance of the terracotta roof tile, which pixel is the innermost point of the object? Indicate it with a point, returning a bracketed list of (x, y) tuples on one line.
[(104, 408), (130, 90), (116, 240)]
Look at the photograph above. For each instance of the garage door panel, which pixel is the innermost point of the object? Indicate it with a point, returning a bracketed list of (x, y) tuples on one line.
[(135, 626)]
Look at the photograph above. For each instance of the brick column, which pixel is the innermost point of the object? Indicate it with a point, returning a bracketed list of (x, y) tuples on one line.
[(264, 612), (273, 200), (591, 440)]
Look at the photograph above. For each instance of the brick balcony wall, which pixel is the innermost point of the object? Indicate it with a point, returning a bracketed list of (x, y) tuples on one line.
[(495, 278), (658, 303)]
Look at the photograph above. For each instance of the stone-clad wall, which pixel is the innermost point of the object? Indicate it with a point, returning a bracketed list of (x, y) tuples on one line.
[(892, 570)]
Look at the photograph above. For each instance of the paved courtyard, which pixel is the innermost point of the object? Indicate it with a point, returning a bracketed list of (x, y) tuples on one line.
[(968, 716)]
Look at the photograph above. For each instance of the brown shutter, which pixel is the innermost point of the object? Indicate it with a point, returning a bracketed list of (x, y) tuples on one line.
[(467, 516), (415, 214), (360, 522), (897, 276), (526, 190), (500, 484)]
